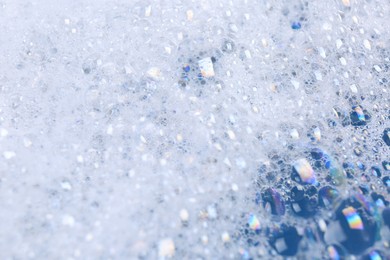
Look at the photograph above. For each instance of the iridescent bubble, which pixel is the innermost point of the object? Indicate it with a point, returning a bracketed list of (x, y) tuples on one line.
[(359, 116), (375, 171), (324, 160), (373, 255), (355, 225), (244, 254), (327, 196), (335, 252), (273, 199), (317, 133), (285, 240), (254, 223), (206, 67), (303, 172), (353, 218), (337, 175)]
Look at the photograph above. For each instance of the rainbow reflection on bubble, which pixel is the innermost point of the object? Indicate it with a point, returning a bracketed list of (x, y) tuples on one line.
[(317, 133), (244, 254), (353, 218), (305, 171), (375, 256), (206, 67), (333, 254), (254, 222), (328, 195), (360, 113)]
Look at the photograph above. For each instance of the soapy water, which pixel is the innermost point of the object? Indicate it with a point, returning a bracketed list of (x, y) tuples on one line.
[(245, 129)]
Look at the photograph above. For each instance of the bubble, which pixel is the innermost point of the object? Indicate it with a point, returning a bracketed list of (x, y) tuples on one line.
[(359, 116), (386, 136), (322, 160), (363, 188), (373, 255), (357, 151), (190, 90), (335, 252), (353, 218), (303, 172), (304, 202), (244, 254), (317, 133), (327, 196), (386, 217), (228, 46), (375, 171), (349, 169), (254, 223), (296, 25), (285, 240), (361, 166), (386, 181), (186, 68), (354, 226), (379, 200), (166, 248), (206, 67), (273, 199), (386, 165)]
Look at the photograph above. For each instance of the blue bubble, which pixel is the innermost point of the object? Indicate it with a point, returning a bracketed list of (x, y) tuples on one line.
[(187, 68), (296, 25), (356, 218), (274, 199), (285, 240)]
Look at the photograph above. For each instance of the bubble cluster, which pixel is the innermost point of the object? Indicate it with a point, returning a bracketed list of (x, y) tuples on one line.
[(194, 129)]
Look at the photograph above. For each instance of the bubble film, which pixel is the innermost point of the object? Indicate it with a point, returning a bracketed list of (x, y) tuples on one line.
[(303, 172)]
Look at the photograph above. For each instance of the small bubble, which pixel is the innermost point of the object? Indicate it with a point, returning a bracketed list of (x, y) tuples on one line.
[(228, 46), (304, 201), (359, 116), (254, 223), (373, 255), (285, 240), (386, 181), (386, 136), (296, 25), (386, 217), (335, 252), (273, 198), (327, 196), (375, 171), (386, 165)]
